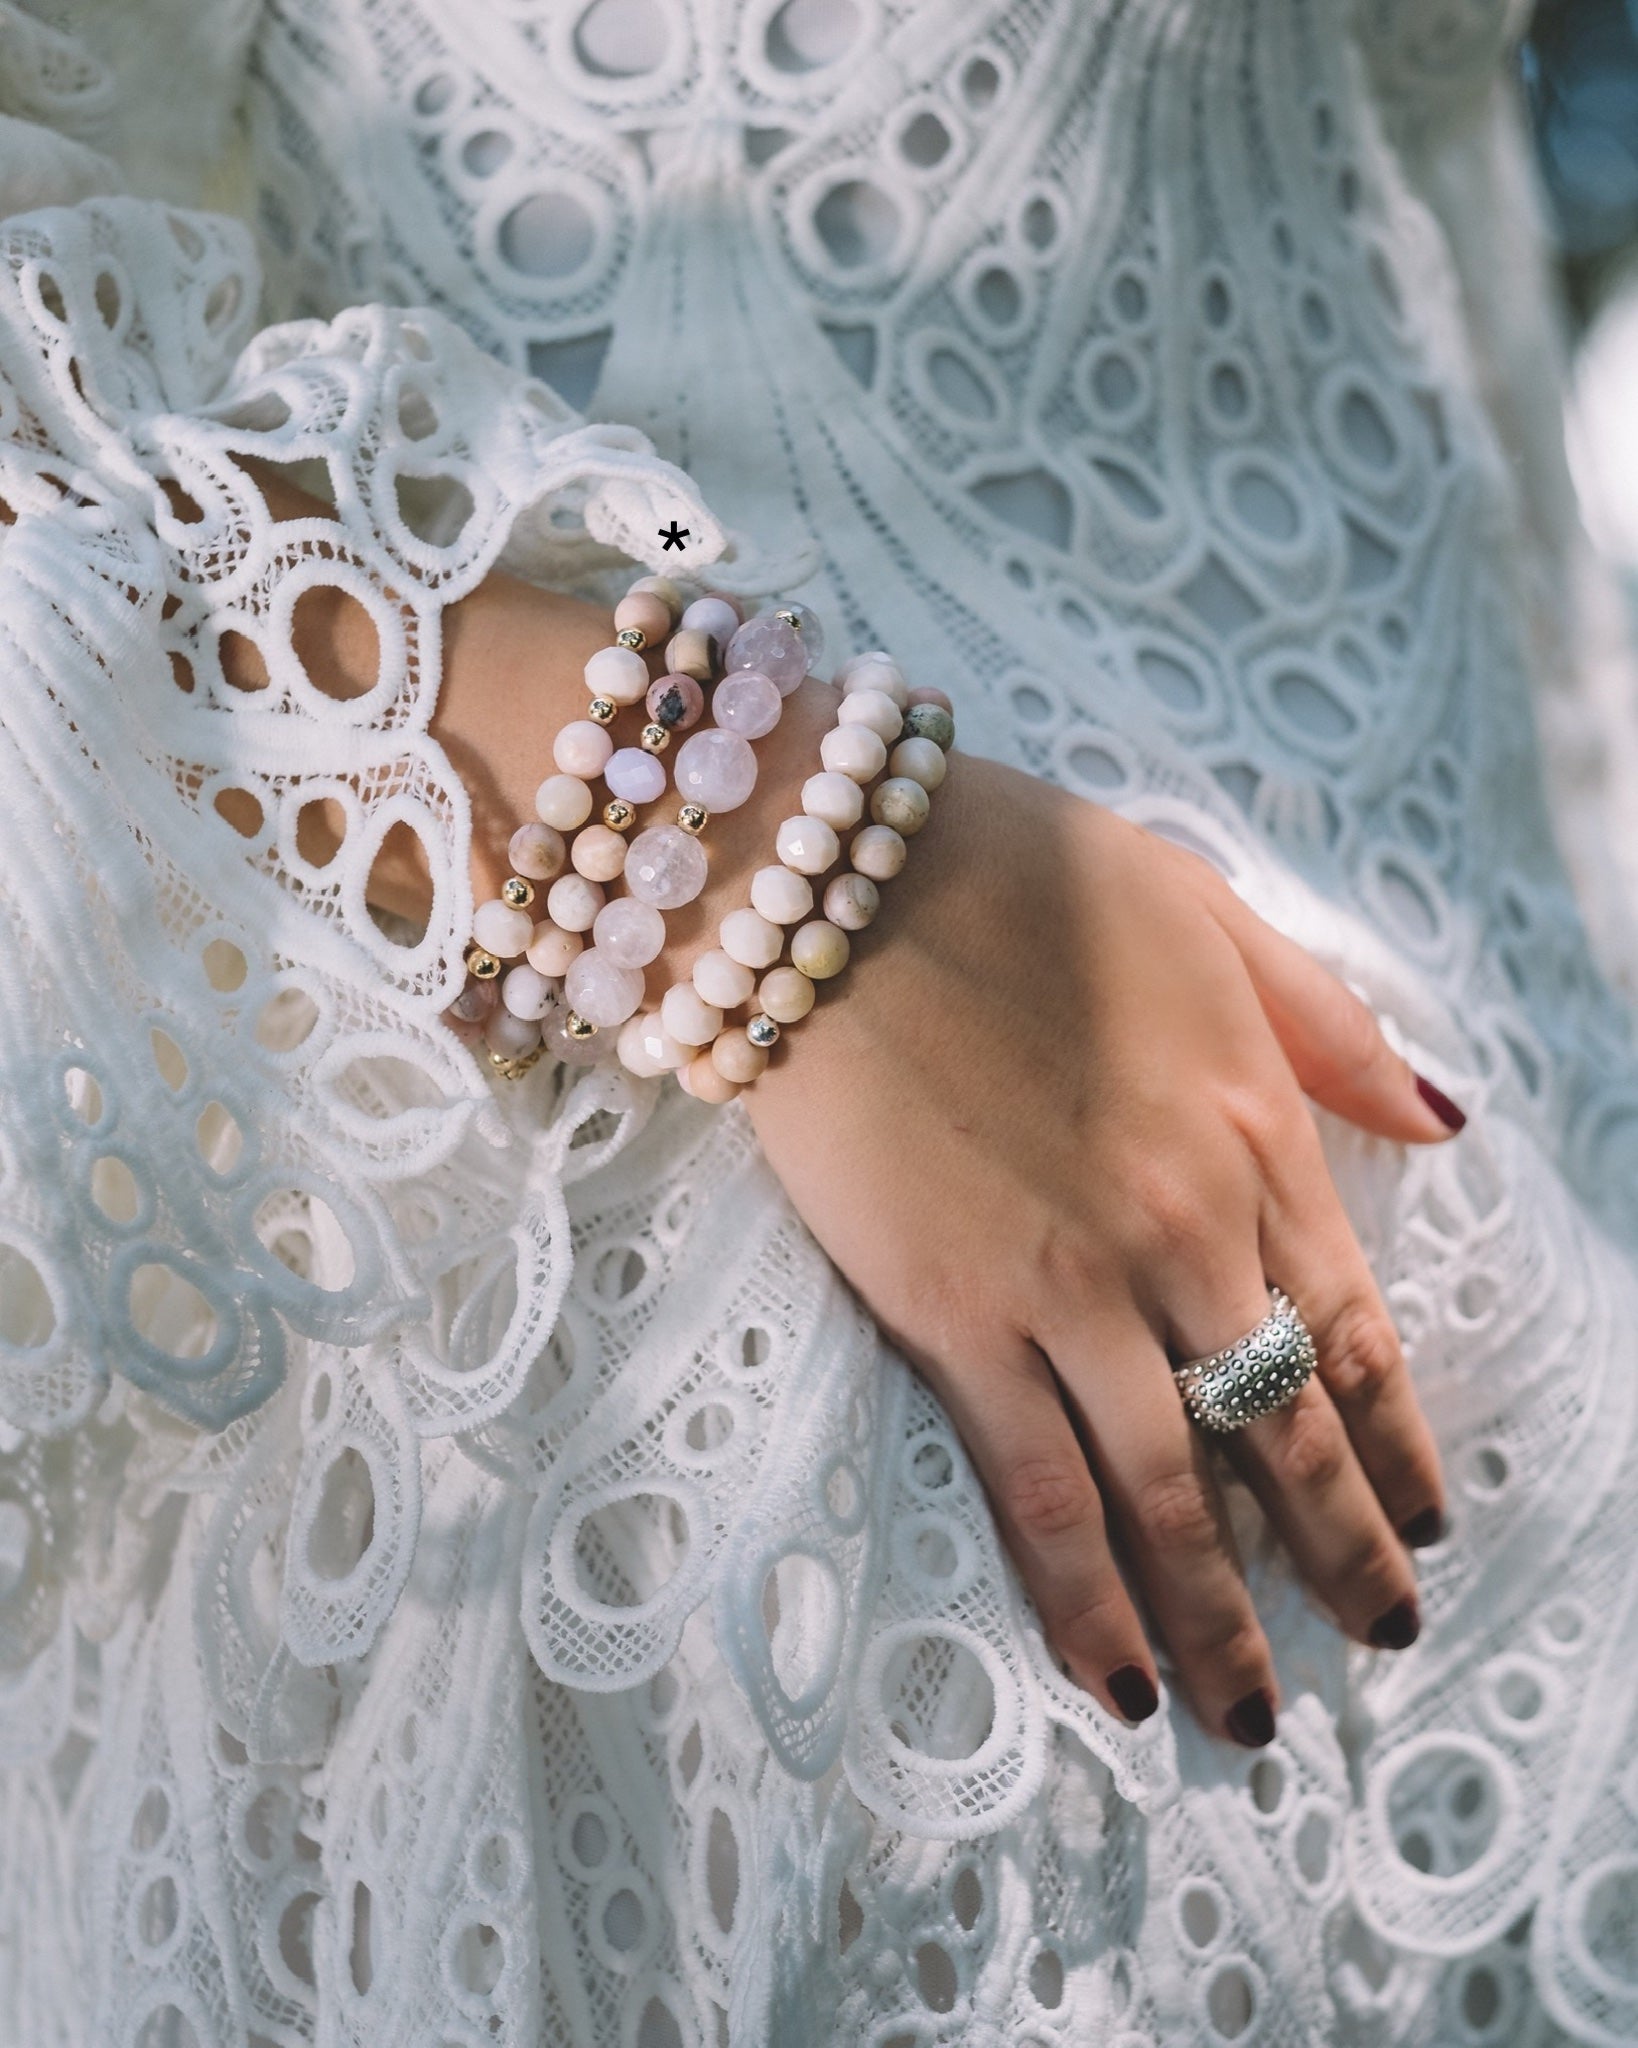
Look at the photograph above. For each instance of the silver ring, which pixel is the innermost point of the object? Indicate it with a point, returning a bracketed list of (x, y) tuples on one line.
[(1266, 1368)]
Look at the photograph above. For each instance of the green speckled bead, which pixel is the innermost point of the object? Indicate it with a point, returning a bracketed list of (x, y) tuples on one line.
[(929, 722)]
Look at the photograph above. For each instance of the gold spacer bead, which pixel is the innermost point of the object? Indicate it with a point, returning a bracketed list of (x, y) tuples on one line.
[(480, 965), (618, 814), (654, 738), (513, 1068), (791, 620), (633, 637), (578, 1027), (603, 710), (693, 817), (517, 892)]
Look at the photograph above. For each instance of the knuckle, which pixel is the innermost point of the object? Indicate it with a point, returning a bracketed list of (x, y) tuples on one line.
[(1079, 1620), (1353, 1042), (1311, 1447), (1234, 1646), (1048, 1494), (1169, 1214), (1373, 1573), (1362, 1352), (1175, 1515)]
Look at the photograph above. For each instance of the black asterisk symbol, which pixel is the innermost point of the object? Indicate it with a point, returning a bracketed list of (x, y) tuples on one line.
[(673, 536)]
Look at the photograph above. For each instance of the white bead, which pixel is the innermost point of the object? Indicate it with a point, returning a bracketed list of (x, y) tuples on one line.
[(645, 1047), (573, 902), (537, 852), (875, 671), (852, 901), (921, 760), (500, 929), (898, 802), (855, 751), (875, 709), (782, 895), (819, 950), (837, 799), (510, 1036), (603, 992), (598, 852), (750, 938), (552, 948), (618, 672), (722, 980), (786, 994), (878, 852), (687, 1016), (630, 933), (527, 992), (582, 748), (807, 844), (563, 802)]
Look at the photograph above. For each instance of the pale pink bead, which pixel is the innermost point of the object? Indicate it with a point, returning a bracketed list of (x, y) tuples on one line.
[(527, 992), (510, 1036), (785, 994), (837, 799), (636, 776), (646, 1048), (604, 992), (875, 671), (689, 1018), (901, 803), (552, 948), (715, 768), (851, 901), (747, 703), (750, 938), (665, 866), (573, 902), (500, 929), (473, 1004), (676, 702), (582, 748), (819, 950), (629, 933), (807, 844), (735, 1057), (735, 604), (720, 979), (617, 672), (563, 802), (701, 1080), (598, 852), (663, 588), (711, 615), (767, 643), (781, 894), (648, 613), (854, 751), (875, 709), (922, 761), (537, 852), (878, 851), (928, 696)]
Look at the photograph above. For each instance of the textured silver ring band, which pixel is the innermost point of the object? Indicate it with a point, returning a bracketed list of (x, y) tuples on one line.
[(1261, 1372)]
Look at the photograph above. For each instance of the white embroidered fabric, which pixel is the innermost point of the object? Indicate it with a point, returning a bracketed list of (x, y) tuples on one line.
[(468, 1569)]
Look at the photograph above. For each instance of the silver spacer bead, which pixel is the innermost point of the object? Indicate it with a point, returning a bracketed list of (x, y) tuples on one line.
[(762, 1031), (633, 637)]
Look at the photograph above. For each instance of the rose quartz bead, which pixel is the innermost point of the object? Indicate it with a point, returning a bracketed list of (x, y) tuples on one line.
[(701, 1080), (854, 751), (781, 894), (645, 610), (665, 866), (676, 702), (923, 761), (563, 802), (646, 1048), (786, 995), (510, 1036), (721, 980), (690, 654), (875, 671), (552, 948), (473, 1004), (602, 991), (747, 703), (537, 852), (735, 1057), (572, 1052), (598, 853), (527, 992), (875, 709), (928, 696), (689, 1018), (750, 938), (837, 799), (582, 748), (901, 803), (807, 844), (711, 615), (636, 776), (617, 672), (819, 950), (813, 634), (716, 769), (878, 852), (573, 902), (851, 901), (500, 929), (767, 643), (629, 933)]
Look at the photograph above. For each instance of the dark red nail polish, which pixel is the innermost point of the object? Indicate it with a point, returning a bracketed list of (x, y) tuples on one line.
[(1424, 1529), (1398, 1628), (1133, 1691), (1440, 1103), (1251, 1720)]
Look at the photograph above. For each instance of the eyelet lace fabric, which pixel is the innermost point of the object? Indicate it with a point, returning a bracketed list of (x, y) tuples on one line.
[(468, 1569)]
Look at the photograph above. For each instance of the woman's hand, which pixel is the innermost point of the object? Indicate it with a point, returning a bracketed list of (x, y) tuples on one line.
[(1051, 1126)]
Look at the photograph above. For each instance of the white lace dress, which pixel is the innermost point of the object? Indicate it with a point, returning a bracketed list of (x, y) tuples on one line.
[(469, 1572)]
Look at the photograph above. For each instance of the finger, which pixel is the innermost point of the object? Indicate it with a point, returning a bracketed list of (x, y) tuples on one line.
[(1012, 1420)]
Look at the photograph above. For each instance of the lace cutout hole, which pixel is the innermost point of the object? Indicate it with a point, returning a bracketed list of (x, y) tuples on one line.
[(807, 35), (938, 1696), (115, 1191), (658, 2027), (850, 1918), (343, 1524), (1231, 2001), (84, 1095), (151, 1821), (621, 38), (1046, 1979), (169, 1059), (1200, 1915), (936, 1977), (435, 509), (858, 224), (172, 1315), (1268, 1785), (925, 140), (967, 1898), (167, 2026), (549, 235), (1603, 1911), (268, 1825), (241, 809), (981, 84), (479, 1958), (627, 1551), (296, 1936), (722, 1869)]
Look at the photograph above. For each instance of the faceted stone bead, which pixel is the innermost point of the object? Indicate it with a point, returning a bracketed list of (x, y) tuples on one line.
[(665, 867), (819, 949), (536, 852), (676, 702), (604, 992), (500, 929), (875, 671), (786, 994), (527, 992), (716, 769), (930, 722), (722, 980), (851, 901), (563, 802), (901, 803), (854, 751), (711, 615), (747, 703), (635, 775), (781, 895), (552, 948), (598, 853), (735, 1057), (813, 634), (689, 1018), (512, 1037), (807, 844), (875, 709), (750, 938), (768, 644), (648, 612), (618, 672), (573, 902), (582, 748), (837, 799), (628, 932), (878, 852), (921, 761), (646, 1047)]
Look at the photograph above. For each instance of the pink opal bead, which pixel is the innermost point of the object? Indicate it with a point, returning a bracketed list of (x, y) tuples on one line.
[(851, 901), (750, 938), (807, 844), (785, 994), (665, 866), (647, 612), (536, 852), (636, 776), (711, 615), (837, 799), (701, 1080), (582, 748), (875, 671), (768, 644), (598, 853), (645, 1047), (854, 751), (629, 933), (500, 929), (573, 902), (510, 1036), (689, 1018), (923, 761), (722, 980), (781, 894), (603, 992), (716, 769), (563, 802), (736, 1058), (747, 703), (875, 709), (552, 948), (617, 672), (925, 695), (661, 587), (879, 852), (527, 992), (676, 702)]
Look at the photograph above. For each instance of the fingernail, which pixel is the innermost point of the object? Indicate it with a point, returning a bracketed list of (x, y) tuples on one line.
[(1398, 1628), (1133, 1691), (1424, 1529), (1440, 1103), (1251, 1720)]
